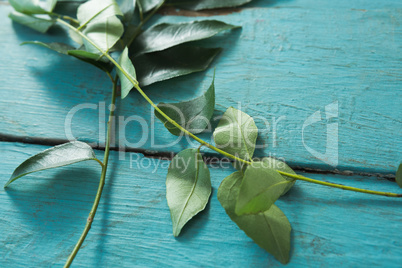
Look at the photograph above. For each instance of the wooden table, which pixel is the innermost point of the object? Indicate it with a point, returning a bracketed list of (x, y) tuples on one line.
[(321, 78)]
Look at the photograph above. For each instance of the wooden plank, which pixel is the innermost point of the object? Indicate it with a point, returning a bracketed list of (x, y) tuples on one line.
[(290, 60), (43, 215)]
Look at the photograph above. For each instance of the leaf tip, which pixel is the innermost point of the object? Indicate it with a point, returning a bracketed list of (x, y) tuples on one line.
[(176, 233), (25, 43), (177, 229), (398, 176)]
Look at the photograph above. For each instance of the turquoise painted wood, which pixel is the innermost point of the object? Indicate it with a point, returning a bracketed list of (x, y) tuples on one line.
[(43, 215), (290, 60)]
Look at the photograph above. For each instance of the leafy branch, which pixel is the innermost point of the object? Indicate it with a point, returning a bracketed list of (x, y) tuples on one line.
[(111, 38)]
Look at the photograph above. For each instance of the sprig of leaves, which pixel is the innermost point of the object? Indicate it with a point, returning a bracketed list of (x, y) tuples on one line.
[(157, 54), (108, 38)]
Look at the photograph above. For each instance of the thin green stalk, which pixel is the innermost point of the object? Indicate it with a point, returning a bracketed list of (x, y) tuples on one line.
[(185, 130), (101, 182), (298, 177), (343, 187), (64, 17)]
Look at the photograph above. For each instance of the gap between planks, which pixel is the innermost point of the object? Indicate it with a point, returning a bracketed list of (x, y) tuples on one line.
[(209, 158)]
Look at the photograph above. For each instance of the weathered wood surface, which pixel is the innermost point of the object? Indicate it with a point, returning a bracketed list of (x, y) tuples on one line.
[(43, 215), (290, 59)]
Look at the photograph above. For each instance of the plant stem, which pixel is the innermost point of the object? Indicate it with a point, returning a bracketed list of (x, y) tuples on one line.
[(101, 182), (340, 186), (298, 177), (64, 17)]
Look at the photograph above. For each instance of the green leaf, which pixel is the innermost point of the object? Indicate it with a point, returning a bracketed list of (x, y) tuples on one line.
[(281, 166), (260, 188), (211, 4), (236, 134), (103, 33), (188, 187), (50, 5), (83, 55), (38, 24), (95, 10), (58, 156), (270, 229), (166, 35), (127, 7), (172, 62), (68, 7), (147, 5), (58, 47), (28, 6), (193, 115), (93, 59), (128, 67), (398, 177), (75, 36)]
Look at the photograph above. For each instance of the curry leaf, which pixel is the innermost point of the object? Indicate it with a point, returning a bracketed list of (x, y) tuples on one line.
[(27, 6), (273, 163), (269, 229), (127, 65), (58, 156), (127, 7), (147, 5), (95, 10), (50, 5), (83, 55), (236, 134), (398, 177), (68, 7), (211, 4), (103, 33), (93, 59), (188, 187), (260, 188), (38, 24), (193, 115), (166, 35), (58, 47), (172, 62), (75, 36)]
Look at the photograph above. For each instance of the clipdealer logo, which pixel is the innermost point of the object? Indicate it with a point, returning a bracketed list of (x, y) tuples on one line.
[(331, 148), (267, 128)]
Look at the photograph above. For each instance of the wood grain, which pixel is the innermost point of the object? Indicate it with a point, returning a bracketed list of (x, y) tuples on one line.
[(290, 59)]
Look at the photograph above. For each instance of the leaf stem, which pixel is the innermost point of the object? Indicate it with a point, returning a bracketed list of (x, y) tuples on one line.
[(298, 177), (101, 182), (64, 17), (340, 186)]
